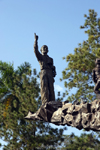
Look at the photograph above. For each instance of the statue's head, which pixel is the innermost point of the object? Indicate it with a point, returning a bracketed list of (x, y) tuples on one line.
[(97, 61), (44, 50)]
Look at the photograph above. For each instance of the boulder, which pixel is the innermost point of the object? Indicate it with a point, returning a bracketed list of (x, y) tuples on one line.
[(82, 116)]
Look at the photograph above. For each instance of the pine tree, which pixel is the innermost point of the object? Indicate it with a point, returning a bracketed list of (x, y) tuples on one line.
[(84, 142), (78, 73), (19, 93)]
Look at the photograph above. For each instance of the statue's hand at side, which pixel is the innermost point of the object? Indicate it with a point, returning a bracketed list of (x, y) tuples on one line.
[(36, 37), (54, 71)]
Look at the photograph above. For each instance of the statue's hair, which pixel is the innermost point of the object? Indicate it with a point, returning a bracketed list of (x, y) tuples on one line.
[(44, 46)]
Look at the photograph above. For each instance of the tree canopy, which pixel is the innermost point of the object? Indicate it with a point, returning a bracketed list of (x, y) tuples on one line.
[(78, 73), (84, 142), (19, 94)]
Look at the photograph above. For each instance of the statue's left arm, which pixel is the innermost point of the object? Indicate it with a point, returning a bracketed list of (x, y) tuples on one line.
[(94, 76), (53, 69)]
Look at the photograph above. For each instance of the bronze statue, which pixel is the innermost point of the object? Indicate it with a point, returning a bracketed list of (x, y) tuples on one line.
[(47, 73), (96, 76)]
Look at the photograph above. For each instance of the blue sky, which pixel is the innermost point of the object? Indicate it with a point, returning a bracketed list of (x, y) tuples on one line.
[(56, 22)]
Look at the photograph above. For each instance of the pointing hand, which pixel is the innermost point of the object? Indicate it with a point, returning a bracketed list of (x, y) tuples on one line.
[(36, 36)]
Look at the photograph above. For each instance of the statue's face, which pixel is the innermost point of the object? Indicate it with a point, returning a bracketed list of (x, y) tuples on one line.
[(44, 50)]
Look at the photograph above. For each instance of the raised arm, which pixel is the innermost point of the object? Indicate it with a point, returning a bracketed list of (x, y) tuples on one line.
[(37, 53)]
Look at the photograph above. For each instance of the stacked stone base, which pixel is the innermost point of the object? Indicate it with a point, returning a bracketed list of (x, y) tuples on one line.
[(82, 116)]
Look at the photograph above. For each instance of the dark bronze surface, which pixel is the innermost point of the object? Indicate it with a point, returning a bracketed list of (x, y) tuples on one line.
[(47, 74)]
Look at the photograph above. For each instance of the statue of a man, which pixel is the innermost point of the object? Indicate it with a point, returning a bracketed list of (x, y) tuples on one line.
[(47, 73), (96, 76)]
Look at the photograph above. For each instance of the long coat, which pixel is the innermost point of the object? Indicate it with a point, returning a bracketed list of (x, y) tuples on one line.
[(46, 76)]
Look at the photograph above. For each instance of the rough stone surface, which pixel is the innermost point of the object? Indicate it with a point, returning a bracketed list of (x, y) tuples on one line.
[(84, 116)]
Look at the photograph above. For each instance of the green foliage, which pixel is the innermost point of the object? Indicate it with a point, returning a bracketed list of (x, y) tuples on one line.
[(19, 94), (78, 73), (84, 142)]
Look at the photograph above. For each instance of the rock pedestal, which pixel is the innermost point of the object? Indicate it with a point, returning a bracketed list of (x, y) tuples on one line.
[(83, 116)]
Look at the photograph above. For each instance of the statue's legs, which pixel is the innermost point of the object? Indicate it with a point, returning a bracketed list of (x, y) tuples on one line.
[(47, 88), (51, 88), (97, 86), (44, 88)]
